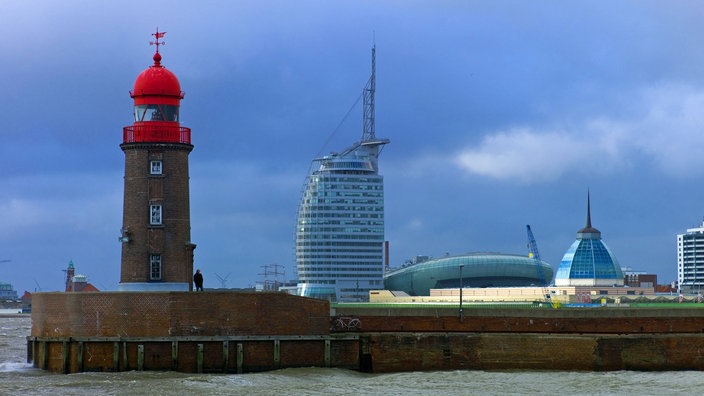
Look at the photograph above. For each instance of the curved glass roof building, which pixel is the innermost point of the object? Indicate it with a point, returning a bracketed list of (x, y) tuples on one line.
[(589, 262), (469, 270)]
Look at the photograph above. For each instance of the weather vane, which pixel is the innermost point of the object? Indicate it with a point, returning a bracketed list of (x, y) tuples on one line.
[(157, 36)]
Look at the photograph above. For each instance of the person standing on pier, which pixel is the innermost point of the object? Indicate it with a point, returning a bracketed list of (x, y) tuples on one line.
[(198, 280)]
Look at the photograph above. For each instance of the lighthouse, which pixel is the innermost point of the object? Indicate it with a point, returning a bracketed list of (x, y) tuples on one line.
[(157, 252)]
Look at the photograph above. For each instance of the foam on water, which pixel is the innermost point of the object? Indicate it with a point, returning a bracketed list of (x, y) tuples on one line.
[(14, 366)]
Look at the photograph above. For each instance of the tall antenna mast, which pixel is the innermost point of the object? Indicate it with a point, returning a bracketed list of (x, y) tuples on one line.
[(368, 134)]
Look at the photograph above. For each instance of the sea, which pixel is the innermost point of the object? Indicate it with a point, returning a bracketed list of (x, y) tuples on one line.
[(17, 377)]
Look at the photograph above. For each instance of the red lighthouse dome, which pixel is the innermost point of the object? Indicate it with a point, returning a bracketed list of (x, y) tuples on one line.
[(157, 84), (157, 99)]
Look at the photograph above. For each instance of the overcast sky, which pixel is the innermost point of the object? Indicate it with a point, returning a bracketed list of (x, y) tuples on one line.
[(500, 114)]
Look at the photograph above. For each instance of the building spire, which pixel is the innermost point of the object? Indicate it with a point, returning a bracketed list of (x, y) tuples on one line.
[(588, 229), (589, 214), (369, 133)]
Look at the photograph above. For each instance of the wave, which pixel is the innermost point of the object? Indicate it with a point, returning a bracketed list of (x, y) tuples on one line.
[(14, 366)]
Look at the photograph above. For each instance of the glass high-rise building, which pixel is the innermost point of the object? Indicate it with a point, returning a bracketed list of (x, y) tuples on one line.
[(690, 259), (340, 225)]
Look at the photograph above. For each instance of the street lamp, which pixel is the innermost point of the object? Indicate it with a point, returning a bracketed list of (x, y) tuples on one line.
[(461, 315)]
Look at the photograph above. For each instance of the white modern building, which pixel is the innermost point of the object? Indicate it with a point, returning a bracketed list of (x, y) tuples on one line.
[(690, 259), (340, 225)]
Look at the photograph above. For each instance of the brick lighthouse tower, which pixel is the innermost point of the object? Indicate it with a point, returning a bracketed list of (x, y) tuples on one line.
[(157, 253)]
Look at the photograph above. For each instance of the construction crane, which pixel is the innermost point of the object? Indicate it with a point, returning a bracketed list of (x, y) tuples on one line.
[(532, 246), (535, 255)]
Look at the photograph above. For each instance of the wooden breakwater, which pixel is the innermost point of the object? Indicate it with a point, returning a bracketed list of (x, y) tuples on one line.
[(228, 332)]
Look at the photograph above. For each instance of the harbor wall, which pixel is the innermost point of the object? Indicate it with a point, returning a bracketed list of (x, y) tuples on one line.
[(162, 314), (601, 320), (396, 352), (233, 332), (184, 331), (535, 338)]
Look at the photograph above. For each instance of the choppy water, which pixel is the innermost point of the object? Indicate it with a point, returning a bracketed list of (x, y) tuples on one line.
[(19, 378)]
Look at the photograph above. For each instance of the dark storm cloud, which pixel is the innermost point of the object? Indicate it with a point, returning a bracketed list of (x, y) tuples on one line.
[(499, 113)]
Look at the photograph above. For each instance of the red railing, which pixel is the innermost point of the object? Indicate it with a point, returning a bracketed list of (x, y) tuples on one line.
[(156, 133)]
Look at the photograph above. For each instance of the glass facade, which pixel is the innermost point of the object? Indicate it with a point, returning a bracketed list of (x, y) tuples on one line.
[(156, 112), (589, 262), (469, 270), (7, 292), (340, 224), (589, 259), (690, 259), (340, 227)]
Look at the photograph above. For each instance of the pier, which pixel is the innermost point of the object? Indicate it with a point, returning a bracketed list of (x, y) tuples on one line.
[(234, 332)]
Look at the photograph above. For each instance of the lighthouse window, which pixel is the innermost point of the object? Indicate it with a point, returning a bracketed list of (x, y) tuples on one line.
[(156, 112), (155, 168), (155, 215), (155, 266)]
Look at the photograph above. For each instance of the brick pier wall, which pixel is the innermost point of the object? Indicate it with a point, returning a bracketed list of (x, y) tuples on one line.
[(184, 331), (603, 320), (164, 314)]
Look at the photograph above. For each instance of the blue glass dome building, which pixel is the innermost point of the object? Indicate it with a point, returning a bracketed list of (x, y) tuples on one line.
[(589, 262)]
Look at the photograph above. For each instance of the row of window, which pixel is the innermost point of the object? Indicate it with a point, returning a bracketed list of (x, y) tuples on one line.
[(346, 230), (303, 271), (355, 185), (342, 201), (308, 215), (311, 223), (336, 275), (348, 164), (345, 261), (374, 255), (156, 112), (339, 244), (351, 265), (325, 179), (344, 237), (354, 191), (376, 249), (378, 207)]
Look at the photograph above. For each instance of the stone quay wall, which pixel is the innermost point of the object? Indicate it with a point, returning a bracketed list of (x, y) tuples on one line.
[(397, 352), (604, 338)]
